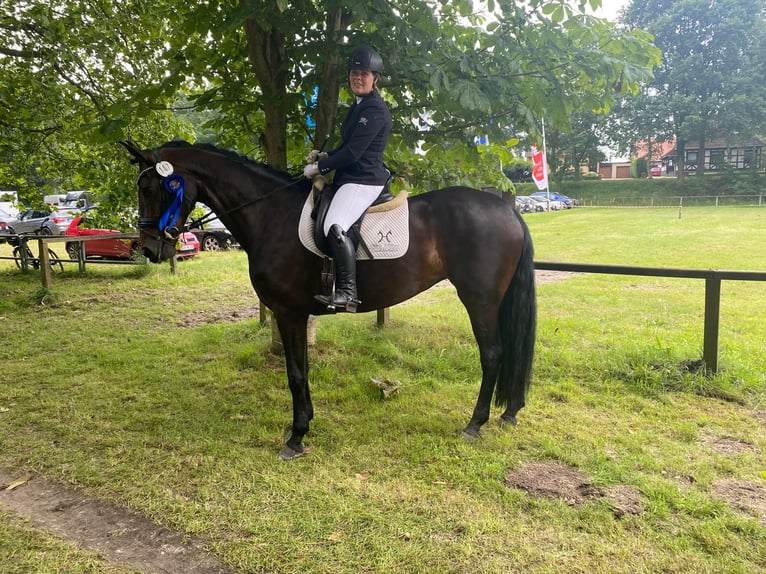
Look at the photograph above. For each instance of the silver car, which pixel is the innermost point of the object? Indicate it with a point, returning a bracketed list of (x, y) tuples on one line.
[(35, 221), (5, 217)]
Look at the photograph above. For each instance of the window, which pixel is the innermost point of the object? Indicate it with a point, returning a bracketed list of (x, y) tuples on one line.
[(715, 158), (691, 160)]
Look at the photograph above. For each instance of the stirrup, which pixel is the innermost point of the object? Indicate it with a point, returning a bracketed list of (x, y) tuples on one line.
[(350, 305)]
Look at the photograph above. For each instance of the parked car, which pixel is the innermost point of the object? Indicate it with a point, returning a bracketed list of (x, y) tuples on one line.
[(5, 217), (655, 170), (213, 236), (102, 248), (107, 248), (82, 200), (187, 245), (32, 220), (567, 202), (526, 204), (548, 204)]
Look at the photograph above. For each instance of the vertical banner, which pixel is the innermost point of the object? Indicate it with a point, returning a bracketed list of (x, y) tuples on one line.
[(539, 168)]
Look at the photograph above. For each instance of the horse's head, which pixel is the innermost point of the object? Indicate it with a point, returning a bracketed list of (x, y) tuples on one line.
[(166, 196)]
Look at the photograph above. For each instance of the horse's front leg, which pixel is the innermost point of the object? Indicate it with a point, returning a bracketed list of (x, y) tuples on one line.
[(293, 332)]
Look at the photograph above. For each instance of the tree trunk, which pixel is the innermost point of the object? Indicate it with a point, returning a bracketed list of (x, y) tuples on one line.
[(701, 155), (680, 159), (266, 52), (329, 76)]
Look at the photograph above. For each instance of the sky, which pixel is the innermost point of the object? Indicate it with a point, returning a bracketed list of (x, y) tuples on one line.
[(609, 8)]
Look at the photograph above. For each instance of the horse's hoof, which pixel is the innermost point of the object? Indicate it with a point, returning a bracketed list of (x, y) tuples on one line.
[(470, 435), (289, 453), (508, 420)]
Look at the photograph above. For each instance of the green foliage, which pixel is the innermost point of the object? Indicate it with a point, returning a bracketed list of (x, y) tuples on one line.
[(639, 167), (712, 80), (662, 191), (81, 75)]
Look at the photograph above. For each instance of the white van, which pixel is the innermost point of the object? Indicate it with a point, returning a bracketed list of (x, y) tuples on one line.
[(54, 200)]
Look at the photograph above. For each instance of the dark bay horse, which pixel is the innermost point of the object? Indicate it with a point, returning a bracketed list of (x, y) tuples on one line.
[(474, 239)]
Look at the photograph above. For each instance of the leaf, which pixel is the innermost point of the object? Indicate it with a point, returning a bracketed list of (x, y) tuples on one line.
[(387, 387), (18, 482)]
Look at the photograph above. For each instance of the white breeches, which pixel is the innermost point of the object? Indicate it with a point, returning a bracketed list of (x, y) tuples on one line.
[(349, 204)]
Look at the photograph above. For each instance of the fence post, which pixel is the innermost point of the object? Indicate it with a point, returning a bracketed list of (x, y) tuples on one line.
[(45, 263), (712, 313)]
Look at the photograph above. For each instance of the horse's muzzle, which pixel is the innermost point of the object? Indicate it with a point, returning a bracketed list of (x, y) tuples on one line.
[(157, 249)]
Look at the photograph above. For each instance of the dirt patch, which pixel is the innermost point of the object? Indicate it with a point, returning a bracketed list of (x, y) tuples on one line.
[(218, 316), (743, 496), (727, 445), (122, 536), (556, 480), (543, 277)]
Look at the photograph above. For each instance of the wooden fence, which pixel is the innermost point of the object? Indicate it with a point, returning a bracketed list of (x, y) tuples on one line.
[(712, 279), (43, 242)]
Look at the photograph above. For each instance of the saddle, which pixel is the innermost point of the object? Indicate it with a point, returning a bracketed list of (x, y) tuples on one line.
[(323, 195), (384, 230)]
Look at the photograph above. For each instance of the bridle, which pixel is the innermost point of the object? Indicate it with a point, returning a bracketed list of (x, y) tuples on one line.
[(174, 199)]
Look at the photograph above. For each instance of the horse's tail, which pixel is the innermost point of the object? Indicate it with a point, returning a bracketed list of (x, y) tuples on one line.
[(517, 324)]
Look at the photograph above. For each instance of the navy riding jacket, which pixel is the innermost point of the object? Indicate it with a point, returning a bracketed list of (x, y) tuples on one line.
[(364, 134)]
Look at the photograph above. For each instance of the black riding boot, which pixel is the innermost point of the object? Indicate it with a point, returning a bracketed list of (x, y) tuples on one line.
[(344, 258)]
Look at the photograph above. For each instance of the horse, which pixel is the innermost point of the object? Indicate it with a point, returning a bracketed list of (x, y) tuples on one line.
[(474, 239)]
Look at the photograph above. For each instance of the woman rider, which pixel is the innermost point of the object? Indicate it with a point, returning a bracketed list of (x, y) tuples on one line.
[(360, 173)]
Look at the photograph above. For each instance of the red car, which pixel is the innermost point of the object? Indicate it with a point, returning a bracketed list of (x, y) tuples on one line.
[(105, 248), (187, 246)]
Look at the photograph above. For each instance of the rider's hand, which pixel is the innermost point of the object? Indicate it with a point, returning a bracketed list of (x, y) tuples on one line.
[(311, 170), (315, 155)]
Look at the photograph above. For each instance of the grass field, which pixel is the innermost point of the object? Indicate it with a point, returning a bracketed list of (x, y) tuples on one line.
[(158, 393)]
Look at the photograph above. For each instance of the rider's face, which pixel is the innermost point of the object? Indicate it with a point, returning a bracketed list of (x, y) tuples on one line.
[(361, 82)]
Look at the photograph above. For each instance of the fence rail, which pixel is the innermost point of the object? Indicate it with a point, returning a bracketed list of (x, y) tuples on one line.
[(675, 201), (44, 257), (712, 277)]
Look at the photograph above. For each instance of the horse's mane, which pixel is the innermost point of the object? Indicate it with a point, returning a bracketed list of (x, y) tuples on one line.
[(249, 163)]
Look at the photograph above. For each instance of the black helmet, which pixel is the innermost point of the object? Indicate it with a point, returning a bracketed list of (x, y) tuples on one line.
[(365, 58)]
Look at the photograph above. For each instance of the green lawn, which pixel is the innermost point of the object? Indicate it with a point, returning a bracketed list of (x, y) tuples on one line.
[(158, 392)]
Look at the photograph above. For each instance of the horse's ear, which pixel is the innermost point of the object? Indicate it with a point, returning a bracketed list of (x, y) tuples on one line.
[(138, 157)]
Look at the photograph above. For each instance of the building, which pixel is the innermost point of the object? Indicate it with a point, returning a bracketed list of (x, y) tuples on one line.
[(718, 154)]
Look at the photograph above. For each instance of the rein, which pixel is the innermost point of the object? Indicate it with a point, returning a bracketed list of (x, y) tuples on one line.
[(174, 185)]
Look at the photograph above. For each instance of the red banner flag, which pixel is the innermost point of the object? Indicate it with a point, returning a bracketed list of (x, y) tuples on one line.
[(539, 168)]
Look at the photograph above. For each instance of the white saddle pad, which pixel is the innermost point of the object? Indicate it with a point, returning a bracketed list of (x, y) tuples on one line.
[(385, 229)]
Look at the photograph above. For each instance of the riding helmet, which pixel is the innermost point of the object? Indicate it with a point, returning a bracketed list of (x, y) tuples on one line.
[(365, 58)]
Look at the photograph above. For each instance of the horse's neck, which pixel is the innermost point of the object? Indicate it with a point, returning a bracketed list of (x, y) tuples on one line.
[(246, 203)]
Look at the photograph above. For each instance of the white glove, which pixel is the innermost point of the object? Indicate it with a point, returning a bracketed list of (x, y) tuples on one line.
[(316, 155), (310, 170)]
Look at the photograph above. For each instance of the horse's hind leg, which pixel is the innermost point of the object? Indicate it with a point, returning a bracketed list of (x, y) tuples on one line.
[(490, 351)]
